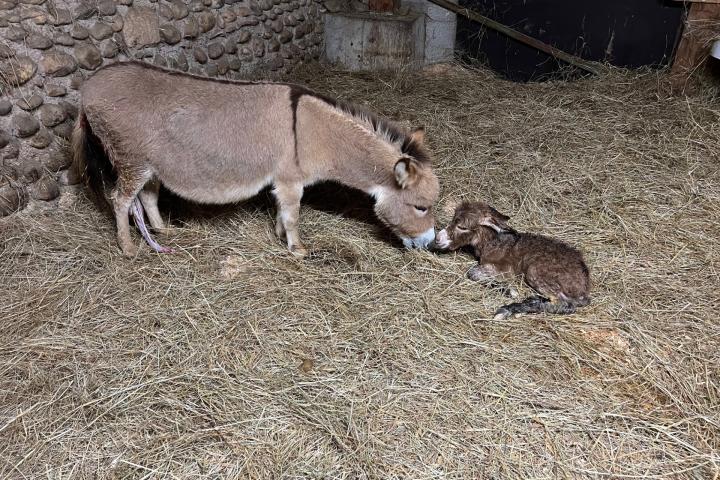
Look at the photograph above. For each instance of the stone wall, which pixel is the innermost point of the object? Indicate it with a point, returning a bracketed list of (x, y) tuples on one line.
[(47, 48)]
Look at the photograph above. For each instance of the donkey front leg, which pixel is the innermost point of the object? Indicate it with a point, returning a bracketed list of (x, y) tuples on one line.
[(489, 275), (287, 196)]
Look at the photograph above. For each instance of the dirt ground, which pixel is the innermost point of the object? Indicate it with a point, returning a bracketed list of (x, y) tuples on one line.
[(232, 359)]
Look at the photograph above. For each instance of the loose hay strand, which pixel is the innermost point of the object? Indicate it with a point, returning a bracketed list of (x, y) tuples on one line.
[(233, 359)]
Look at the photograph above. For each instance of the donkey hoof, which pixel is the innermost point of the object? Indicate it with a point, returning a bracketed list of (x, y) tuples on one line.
[(129, 251), (298, 251), (501, 314)]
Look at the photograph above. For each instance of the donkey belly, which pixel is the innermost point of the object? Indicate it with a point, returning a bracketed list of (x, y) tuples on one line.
[(217, 193), (221, 157), (212, 179)]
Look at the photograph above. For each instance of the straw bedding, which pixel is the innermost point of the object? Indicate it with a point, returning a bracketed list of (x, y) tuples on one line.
[(231, 359)]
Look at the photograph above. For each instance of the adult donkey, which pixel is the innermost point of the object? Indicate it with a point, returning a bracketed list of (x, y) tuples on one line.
[(221, 141)]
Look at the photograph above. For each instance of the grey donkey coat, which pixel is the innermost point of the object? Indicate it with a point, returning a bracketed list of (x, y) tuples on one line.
[(221, 141)]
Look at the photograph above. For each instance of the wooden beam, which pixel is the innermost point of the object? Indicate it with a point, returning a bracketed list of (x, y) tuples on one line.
[(701, 29), (586, 65), (383, 5)]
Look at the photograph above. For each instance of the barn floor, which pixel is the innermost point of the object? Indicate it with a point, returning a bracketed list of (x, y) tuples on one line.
[(189, 365)]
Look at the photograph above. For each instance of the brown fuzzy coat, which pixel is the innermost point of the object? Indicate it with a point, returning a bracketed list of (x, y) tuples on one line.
[(553, 268)]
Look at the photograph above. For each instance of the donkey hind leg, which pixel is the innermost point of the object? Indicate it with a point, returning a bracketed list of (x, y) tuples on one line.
[(535, 304), (287, 196), (123, 194), (488, 275), (138, 213), (149, 198)]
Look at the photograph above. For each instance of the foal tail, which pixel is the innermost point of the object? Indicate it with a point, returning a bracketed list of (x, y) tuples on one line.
[(539, 304), (91, 163)]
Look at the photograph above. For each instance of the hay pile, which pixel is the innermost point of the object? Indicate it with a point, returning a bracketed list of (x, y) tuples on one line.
[(234, 359)]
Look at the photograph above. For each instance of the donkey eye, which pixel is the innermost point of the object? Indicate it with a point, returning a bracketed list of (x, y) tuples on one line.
[(420, 209)]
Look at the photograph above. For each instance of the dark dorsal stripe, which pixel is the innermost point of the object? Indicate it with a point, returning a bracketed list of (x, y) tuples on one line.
[(394, 132)]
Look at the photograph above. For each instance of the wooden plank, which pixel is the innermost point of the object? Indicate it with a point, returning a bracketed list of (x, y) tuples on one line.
[(702, 26), (588, 66), (383, 5)]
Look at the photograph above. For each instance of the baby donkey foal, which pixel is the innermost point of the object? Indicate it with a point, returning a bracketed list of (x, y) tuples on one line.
[(552, 268)]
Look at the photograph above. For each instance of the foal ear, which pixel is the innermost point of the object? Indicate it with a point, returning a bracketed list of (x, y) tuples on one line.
[(418, 135), (405, 172), (497, 221), (451, 205)]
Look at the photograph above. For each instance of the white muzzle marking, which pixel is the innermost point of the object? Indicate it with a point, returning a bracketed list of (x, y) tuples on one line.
[(442, 240), (421, 241)]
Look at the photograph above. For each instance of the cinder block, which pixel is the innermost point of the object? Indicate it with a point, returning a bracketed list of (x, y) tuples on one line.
[(372, 41), (440, 29)]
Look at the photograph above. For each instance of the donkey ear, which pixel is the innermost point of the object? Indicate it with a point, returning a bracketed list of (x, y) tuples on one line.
[(418, 135), (497, 221), (405, 172)]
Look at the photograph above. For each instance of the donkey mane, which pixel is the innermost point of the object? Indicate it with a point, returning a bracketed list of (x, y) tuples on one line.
[(383, 128)]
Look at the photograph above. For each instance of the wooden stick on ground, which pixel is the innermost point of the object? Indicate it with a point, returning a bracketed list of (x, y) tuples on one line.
[(588, 66)]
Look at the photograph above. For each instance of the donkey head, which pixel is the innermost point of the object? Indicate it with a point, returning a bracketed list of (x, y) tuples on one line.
[(474, 223), (405, 203)]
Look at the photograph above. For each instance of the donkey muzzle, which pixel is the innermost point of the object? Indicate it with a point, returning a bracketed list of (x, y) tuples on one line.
[(424, 240)]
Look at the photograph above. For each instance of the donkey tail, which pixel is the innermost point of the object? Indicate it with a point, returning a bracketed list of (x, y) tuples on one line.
[(539, 304), (91, 163)]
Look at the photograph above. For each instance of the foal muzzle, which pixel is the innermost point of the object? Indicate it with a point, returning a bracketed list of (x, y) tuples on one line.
[(442, 240)]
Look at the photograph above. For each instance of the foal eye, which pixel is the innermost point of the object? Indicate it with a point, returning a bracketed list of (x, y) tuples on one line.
[(461, 229), (420, 209)]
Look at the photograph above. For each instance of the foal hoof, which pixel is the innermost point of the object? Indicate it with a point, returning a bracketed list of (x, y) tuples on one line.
[(501, 314), (476, 274), (298, 251)]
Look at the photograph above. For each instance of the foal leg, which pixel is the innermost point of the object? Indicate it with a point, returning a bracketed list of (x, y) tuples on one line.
[(488, 275), (127, 187), (149, 198), (288, 197), (536, 304)]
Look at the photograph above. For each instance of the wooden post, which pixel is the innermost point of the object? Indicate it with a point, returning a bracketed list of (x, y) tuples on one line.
[(381, 5), (701, 29)]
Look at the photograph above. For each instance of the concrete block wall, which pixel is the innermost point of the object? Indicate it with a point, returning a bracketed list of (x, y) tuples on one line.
[(370, 41), (440, 30), (414, 34)]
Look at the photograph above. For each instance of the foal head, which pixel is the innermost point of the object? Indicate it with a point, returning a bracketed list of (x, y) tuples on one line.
[(474, 223)]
